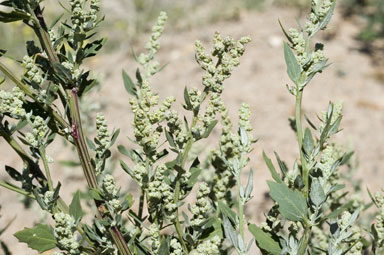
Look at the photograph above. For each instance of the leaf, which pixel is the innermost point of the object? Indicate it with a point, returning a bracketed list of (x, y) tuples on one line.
[(170, 139), (285, 33), (230, 233), (195, 173), (13, 173), (249, 187), (271, 168), (282, 165), (264, 240), (123, 150), (95, 194), (164, 247), (130, 87), (127, 169), (39, 238), (226, 211), (339, 210), (188, 105), (69, 163), (13, 16), (293, 68), (209, 128), (308, 143), (292, 204), (75, 207), (64, 73), (317, 193)]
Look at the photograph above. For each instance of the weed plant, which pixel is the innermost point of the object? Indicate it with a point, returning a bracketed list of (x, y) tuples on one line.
[(312, 213)]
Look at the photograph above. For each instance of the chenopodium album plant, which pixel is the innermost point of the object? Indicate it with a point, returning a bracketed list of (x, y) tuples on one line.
[(311, 212)]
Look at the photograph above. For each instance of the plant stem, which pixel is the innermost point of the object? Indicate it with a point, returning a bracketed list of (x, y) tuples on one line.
[(46, 167), (177, 222), (299, 132)]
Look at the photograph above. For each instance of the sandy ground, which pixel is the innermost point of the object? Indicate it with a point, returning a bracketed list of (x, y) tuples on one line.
[(260, 81)]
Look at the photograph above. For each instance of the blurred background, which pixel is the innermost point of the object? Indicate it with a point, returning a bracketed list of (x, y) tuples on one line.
[(353, 43)]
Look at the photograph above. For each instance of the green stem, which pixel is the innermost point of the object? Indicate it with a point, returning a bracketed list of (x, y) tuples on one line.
[(304, 241), (46, 167), (299, 132), (177, 221)]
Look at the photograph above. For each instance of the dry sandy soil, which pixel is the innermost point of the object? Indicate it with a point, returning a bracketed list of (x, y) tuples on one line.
[(260, 80)]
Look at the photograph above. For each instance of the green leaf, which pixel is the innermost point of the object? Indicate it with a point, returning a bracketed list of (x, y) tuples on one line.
[(114, 136), (209, 128), (188, 105), (13, 173), (95, 194), (75, 207), (123, 150), (282, 165), (317, 193), (170, 139), (293, 68), (292, 204), (308, 143), (127, 169), (39, 238), (226, 211), (271, 168), (339, 210), (164, 246), (69, 163), (130, 87), (13, 16), (195, 173), (264, 240)]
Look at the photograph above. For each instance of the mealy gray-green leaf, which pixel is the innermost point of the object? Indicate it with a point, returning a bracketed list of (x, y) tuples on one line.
[(293, 68), (292, 204), (75, 207), (39, 238), (271, 168), (264, 240), (317, 193)]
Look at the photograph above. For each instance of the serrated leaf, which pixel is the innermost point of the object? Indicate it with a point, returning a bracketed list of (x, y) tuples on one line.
[(293, 68), (271, 168), (292, 204), (39, 238), (264, 240), (130, 87), (317, 193), (75, 207)]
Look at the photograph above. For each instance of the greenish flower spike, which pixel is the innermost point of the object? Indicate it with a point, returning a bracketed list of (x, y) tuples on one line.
[(64, 228), (12, 103)]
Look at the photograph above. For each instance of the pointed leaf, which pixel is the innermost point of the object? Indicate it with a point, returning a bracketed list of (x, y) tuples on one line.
[(317, 193), (308, 143), (293, 68), (39, 238), (271, 168), (264, 240), (292, 204), (130, 87), (75, 207), (209, 128)]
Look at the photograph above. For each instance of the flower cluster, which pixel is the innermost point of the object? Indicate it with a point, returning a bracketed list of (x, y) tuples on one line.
[(12, 103), (76, 72), (84, 20), (317, 15), (337, 112), (154, 233), (161, 193), (65, 238), (228, 53), (379, 199), (215, 105), (146, 121), (329, 155), (39, 130), (32, 71), (175, 127), (153, 45), (202, 206), (111, 192), (176, 247), (102, 131), (208, 247)]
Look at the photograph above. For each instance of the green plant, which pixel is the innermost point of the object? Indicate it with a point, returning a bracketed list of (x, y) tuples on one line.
[(44, 105)]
